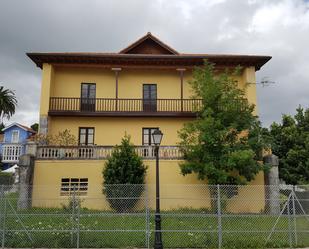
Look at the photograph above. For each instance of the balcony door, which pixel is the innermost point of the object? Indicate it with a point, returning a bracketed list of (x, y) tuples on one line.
[(88, 94), (149, 97)]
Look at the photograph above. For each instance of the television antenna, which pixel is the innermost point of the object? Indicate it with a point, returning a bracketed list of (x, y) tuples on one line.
[(265, 81)]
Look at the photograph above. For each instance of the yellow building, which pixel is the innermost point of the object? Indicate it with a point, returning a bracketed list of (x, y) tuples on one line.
[(100, 97)]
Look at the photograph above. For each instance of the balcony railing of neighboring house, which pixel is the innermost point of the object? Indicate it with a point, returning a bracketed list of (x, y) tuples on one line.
[(11, 152), (111, 106), (102, 152)]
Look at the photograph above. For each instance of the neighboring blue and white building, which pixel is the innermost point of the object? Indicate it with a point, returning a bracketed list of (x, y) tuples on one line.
[(13, 145)]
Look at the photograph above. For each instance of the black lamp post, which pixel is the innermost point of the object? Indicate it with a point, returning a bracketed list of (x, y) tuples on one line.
[(157, 137)]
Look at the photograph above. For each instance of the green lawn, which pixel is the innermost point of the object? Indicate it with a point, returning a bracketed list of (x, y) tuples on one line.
[(182, 228)]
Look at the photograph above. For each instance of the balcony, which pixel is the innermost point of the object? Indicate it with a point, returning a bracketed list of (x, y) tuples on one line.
[(11, 152), (61, 106), (102, 152)]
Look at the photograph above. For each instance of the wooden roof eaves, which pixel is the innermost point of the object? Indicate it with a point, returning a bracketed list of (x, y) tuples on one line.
[(182, 59)]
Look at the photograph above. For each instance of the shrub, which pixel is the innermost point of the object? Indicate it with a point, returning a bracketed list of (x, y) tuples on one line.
[(124, 176), (6, 178), (63, 138), (74, 203)]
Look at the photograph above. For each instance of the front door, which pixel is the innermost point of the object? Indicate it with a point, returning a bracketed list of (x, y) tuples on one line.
[(88, 93), (149, 97)]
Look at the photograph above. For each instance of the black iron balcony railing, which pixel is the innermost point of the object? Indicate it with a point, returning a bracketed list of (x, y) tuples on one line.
[(110, 105)]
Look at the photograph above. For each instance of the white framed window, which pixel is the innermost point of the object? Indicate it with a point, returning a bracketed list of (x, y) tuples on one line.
[(77, 186), (15, 136)]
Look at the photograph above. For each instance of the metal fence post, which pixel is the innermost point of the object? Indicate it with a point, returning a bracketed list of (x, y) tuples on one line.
[(1, 210), (4, 218), (289, 220), (147, 217), (72, 203), (219, 217), (294, 216), (78, 224)]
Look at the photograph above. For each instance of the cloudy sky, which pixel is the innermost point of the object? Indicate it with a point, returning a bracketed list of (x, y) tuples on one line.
[(271, 27)]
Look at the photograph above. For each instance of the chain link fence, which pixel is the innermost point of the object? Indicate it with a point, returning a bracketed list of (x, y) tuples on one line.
[(117, 216)]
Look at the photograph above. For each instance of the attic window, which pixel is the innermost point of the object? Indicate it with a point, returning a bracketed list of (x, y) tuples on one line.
[(15, 136), (69, 186)]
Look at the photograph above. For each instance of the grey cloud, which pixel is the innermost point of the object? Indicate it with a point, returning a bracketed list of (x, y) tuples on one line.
[(277, 28)]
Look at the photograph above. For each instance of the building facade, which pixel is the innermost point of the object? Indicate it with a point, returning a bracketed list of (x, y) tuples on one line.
[(100, 97), (13, 145)]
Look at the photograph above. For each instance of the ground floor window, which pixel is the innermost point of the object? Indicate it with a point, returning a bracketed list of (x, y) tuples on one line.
[(148, 141), (69, 186), (147, 135)]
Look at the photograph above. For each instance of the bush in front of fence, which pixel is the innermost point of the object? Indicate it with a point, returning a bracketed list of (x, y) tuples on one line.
[(124, 167), (6, 178)]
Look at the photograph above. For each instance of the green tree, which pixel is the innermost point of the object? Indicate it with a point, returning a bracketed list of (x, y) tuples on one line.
[(1, 128), (8, 103), (290, 142), (224, 143), (35, 127), (65, 138), (124, 176), (62, 138)]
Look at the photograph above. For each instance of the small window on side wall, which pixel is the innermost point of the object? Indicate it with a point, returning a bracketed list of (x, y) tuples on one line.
[(71, 186)]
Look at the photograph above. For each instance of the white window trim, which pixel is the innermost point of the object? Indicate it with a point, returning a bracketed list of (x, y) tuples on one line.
[(13, 136)]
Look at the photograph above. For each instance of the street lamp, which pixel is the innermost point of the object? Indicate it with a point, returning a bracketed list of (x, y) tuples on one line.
[(157, 137)]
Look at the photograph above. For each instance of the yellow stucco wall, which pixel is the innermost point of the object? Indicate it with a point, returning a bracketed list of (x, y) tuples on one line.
[(110, 130), (66, 82), (177, 191), (46, 87), (249, 82)]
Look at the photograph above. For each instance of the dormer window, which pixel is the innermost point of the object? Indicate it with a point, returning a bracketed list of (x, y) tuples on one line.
[(15, 136)]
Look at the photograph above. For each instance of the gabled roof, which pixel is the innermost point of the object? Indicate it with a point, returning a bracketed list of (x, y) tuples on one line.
[(20, 126), (148, 44), (147, 52)]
